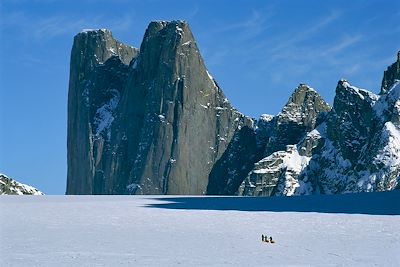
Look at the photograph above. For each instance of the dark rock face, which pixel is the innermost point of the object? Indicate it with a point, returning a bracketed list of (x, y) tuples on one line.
[(351, 119), (187, 121), (153, 121), (238, 159), (391, 75), (99, 67)]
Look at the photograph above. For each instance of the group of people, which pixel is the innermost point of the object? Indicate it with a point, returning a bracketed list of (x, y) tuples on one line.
[(265, 238)]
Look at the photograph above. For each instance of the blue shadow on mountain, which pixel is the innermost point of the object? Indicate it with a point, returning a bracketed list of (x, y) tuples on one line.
[(376, 203)]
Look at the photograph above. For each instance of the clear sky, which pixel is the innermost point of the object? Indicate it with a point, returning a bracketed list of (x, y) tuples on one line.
[(258, 51)]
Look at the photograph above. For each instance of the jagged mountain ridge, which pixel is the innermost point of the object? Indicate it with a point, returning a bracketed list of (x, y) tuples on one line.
[(271, 134), (153, 121), (9, 186), (355, 148)]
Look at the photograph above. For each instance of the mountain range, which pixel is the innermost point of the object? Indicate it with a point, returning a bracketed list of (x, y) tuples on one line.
[(154, 121)]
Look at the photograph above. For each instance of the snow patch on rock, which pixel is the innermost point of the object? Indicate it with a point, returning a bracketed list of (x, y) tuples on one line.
[(390, 155), (362, 93), (385, 102), (266, 117), (104, 115), (282, 169)]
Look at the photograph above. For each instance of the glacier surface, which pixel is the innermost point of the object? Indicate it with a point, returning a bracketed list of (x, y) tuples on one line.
[(340, 230)]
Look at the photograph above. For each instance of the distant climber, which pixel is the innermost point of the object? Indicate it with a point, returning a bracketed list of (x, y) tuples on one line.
[(264, 238)]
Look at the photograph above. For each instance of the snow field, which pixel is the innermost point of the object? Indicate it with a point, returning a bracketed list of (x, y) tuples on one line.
[(139, 231)]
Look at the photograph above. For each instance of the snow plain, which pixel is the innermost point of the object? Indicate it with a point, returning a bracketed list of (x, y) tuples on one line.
[(346, 230)]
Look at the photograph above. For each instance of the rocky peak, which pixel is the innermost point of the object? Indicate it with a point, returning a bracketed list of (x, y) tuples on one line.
[(276, 172), (390, 75), (168, 47), (164, 28), (303, 106), (164, 35), (297, 118), (346, 93), (93, 47), (352, 118)]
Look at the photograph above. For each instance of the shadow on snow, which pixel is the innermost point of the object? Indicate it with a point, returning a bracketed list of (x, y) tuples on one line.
[(376, 203)]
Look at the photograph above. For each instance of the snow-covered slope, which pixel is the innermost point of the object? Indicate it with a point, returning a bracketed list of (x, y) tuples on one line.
[(9, 186), (361, 152), (340, 230)]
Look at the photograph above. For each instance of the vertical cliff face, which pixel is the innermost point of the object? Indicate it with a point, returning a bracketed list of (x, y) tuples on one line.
[(184, 120), (351, 119), (98, 73), (160, 125), (228, 172)]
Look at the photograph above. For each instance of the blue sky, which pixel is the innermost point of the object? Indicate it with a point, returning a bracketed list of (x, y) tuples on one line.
[(258, 51)]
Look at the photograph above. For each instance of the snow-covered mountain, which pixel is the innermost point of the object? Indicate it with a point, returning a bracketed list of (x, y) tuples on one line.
[(9, 186), (154, 121), (354, 148)]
